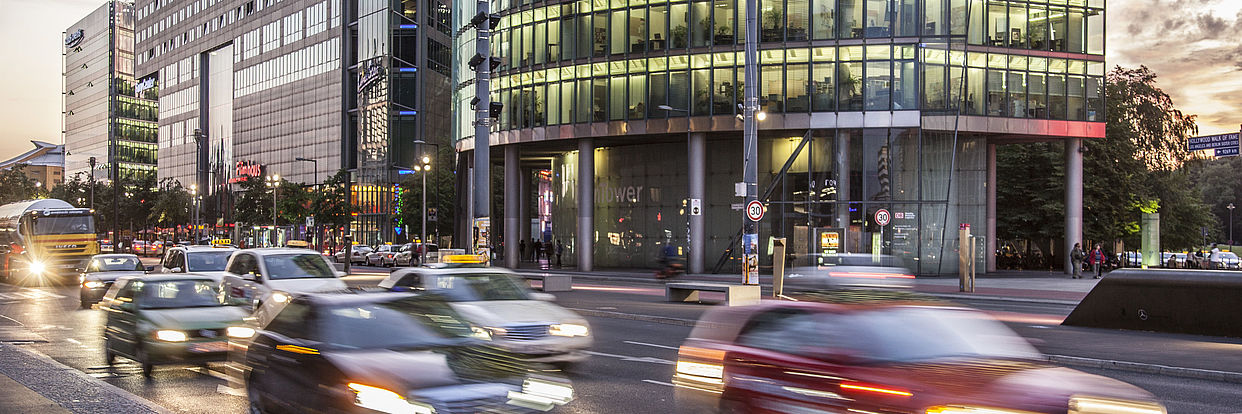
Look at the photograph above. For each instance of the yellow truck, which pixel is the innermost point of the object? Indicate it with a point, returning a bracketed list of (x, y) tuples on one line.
[(45, 241)]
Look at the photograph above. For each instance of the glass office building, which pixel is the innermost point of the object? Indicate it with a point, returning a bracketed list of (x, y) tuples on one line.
[(901, 102)]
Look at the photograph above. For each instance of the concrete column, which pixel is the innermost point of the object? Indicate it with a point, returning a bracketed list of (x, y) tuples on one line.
[(585, 243), (512, 205), (842, 166), (524, 193), (696, 165), (990, 253), (1073, 199)]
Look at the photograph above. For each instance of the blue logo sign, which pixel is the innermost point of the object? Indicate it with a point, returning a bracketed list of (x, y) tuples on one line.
[(1227, 152), (1213, 142), (75, 38)]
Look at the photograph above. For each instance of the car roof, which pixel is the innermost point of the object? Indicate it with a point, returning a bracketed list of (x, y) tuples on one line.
[(199, 247), (168, 277), (115, 256), (350, 298), (266, 251), (726, 323)]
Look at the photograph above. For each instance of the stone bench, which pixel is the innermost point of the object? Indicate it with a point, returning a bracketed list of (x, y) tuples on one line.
[(735, 295), (552, 282)]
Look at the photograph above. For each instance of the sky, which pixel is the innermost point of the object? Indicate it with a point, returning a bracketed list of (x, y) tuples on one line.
[(1192, 45)]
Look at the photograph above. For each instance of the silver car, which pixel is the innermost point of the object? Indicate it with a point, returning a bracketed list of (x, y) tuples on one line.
[(357, 256), (104, 269), (849, 270), (382, 255)]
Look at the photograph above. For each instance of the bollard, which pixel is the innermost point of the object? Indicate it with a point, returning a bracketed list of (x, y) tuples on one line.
[(778, 267), (964, 251)]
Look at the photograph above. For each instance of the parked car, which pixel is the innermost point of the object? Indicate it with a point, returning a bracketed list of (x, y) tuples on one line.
[(1130, 259), (204, 260), (101, 271), (1229, 261), (519, 320), (358, 254), (887, 357), (394, 353), (160, 319), (381, 256), (257, 275), (849, 270)]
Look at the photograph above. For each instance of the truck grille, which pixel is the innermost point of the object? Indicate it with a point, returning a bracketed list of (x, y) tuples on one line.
[(526, 332)]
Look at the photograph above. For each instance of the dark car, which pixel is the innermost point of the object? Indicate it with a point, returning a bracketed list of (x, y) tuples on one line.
[(386, 352), (879, 358), (101, 271)]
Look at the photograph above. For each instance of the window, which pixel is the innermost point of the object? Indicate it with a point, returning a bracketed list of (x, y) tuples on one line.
[(700, 24), (293, 321), (244, 264), (797, 87), (852, 24), (658, 38)]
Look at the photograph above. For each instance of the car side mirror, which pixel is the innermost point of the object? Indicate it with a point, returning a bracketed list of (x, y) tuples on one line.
[(173, 270), (546, 297)]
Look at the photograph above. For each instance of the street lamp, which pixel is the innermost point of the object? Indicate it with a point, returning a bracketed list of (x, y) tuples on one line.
[(194, 222), (1230, 207), (422, 251), (273, 182)]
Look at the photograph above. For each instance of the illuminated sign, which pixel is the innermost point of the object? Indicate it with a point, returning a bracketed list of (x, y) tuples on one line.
[(74, 39), (245, 170), (144, 84)]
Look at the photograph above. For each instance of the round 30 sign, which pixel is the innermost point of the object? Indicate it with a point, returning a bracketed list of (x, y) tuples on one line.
[(882, 217), (754, 210)]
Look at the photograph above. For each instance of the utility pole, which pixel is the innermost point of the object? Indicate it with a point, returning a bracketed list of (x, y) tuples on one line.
[(750, 146), (1230, 207), (482, 63)]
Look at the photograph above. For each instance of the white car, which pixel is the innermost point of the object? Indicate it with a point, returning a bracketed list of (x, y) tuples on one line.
[(257, 275), (382, 255), (519, 320), (205, 260), (357, 256)]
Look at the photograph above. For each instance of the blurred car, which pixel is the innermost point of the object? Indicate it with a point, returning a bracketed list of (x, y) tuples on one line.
[(154, 248), (138, 247), (159, 319), (357, 256), (886, 357), (381, 255), (101, 271), (1229, 261), (105, 245), (204, 260), (407, 255), (849, 270), (1131, 259), (255, 275), (519, 320), (384, 352)]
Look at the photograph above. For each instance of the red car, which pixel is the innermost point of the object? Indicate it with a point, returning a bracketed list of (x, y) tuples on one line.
[(816, 357)]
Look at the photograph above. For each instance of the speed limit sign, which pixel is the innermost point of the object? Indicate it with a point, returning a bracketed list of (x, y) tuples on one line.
[(754, 210), (882, 217)]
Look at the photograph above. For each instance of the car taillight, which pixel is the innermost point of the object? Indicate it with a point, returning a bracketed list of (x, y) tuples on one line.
[(874, 389), (700, 368)]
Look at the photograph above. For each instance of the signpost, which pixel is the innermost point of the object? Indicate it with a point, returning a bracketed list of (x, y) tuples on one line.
[(754, 210), (882, 217), (1224, 145), (696, 206)]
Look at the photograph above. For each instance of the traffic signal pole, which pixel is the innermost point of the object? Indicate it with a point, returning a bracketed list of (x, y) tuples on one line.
[(482, 153)]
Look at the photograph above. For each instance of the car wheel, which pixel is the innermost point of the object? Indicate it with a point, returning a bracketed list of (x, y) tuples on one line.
[(254, 400), (145, 359)]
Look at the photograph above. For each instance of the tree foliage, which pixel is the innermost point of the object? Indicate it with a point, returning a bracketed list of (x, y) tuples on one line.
[(331, 204)]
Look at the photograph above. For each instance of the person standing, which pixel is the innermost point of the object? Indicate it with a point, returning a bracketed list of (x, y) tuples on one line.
[(521, 250), (1076, 258), (1096, 260), (560, 249), (1214, 258)]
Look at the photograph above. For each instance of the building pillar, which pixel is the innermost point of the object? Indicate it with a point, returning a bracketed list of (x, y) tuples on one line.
[(524, 193), (842, 166), (697, 171), (990, 253), (512, 205), (1073, 199), (584, 244)]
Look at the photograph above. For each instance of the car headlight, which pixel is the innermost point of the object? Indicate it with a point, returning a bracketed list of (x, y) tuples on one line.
[(239, 332), (280, 297), (92, 284), (386, 401), (568, 329), (1094, 405), (37, 267), (170, 336)]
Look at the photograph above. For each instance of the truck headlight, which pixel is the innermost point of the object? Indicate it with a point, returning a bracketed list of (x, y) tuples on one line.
[(37, 267), (239, 332), (568, 329), (170, 336), (93, 284), (386, 401)]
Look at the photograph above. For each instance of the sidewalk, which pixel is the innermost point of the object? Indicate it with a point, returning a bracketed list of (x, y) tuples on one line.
[(33, 383), (1008, 284)]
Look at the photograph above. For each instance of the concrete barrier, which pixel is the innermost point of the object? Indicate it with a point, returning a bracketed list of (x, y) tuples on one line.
[(1201, 302)]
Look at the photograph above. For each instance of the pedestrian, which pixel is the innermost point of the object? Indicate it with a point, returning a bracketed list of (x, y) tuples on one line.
[(534, 250), (1076, 257), (1214, 258), (538, 247), (1096, 260), (560, 249), (522, 250)]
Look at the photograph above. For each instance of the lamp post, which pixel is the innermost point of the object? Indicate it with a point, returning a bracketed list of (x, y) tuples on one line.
[(1230, 207), (423, 169), (317, 183), (91, 162), (273, 182), (194, 221)]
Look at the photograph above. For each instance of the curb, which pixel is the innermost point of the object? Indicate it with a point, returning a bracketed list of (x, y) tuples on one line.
[(1194, 373), (1002, 298), (1181, 372), (53, 366)]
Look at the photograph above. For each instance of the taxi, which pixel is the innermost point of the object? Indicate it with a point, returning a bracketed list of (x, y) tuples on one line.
[(808, 356), (163, 319), (255, 275), (204, 260), (519, 320)]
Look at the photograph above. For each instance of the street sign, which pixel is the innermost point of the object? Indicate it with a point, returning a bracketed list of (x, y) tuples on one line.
[(310, 221), (754, 210), (882, 217), (1229, 140), (696, 206), (432, 214), (1227, 152)]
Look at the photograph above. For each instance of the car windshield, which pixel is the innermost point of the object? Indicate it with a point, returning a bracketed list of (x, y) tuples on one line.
[(476, 287), (921, 334), (179, 294), (297, 266), (64, 225), (209, 261), (115, 264), (1228, 255), (396, 324)]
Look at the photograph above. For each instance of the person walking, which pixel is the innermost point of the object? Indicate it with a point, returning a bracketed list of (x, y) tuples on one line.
[(1096, 260), (1076, 258), (1214, 258), (560, 249)]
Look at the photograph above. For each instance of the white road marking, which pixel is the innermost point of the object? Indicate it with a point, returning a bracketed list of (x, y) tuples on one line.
[(658, 383), (73, 341), (627, 358), (652, 345)]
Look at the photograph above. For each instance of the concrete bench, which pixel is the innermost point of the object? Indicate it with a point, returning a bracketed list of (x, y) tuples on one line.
[(552, 282), (735, 295)]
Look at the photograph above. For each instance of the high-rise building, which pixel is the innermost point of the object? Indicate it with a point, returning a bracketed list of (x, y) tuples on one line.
[(108, 115), (882, 118)]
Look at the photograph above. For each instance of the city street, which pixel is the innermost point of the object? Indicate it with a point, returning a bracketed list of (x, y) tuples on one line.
[(636, 338)]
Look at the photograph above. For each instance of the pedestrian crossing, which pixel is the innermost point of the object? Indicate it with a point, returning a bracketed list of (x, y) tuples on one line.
[(28, 294)]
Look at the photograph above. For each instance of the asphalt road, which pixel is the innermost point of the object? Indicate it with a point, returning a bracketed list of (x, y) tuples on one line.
[(629, 371)]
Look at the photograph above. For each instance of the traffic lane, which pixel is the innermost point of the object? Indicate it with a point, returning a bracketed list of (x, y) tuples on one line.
[(75, 338), (629, 370), (1176, 350), (1182, 395)]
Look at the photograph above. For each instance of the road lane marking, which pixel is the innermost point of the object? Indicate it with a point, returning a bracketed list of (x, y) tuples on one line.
[(627, 358), (658, 383), (652, 345), (73, 341)]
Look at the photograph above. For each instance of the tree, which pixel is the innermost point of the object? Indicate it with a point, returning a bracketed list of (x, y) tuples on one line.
[(254, 203), (15, 186), (331, 204), (73, 191), (173, 206)]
